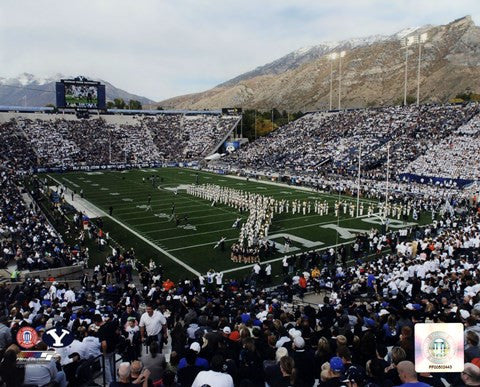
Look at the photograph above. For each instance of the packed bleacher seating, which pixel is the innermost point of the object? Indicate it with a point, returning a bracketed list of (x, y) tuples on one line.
[(67, 142), (188, 137), (459, 153), (320, 143), (27, 239), (16, 151)]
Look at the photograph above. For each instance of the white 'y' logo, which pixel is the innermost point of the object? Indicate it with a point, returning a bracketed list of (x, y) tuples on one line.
[(57, 338)]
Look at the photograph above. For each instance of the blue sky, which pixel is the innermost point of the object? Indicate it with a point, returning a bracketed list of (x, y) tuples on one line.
[(165, 48)]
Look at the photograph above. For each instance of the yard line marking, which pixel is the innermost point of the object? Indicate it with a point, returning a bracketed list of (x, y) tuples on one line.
[(198, 224), (152, 223), (202, 244), (123, 209), (160, 209), (138, 235), (198, 233), (287, 229), (242, 215), (71, 182)]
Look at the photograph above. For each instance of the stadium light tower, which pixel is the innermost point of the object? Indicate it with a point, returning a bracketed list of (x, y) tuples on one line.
[(359, 174), (272, 120), (110, 145), (421, 39), (341, 55), (332, 57), (406, 42), (241, 126), (388, 173)]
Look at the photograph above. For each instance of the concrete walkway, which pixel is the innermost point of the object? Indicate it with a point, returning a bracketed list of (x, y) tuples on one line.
[(80, 204)]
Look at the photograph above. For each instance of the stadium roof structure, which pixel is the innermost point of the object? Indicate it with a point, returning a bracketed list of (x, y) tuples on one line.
[(31, 109), (126, 111), (45, 109)]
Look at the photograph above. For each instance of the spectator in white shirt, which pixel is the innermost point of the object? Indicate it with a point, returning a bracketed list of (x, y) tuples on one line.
[(153, 326)]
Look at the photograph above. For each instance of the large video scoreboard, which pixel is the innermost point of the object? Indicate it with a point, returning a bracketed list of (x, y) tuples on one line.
[(80, 93)]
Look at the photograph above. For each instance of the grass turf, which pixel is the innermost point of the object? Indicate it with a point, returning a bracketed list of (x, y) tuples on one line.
[(127, 192)]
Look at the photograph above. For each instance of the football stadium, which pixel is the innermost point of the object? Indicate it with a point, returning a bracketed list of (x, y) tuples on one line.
[(312, 222)]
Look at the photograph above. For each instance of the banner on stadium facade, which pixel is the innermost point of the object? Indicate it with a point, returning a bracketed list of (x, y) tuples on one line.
[(231, 111), (439, 347), (88, 168), (434, 180)]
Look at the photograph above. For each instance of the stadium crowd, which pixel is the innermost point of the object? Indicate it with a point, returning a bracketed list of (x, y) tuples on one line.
[(237, 332), (187, 137), (458, 152), (66, 142), (321, 144), (26, 236)]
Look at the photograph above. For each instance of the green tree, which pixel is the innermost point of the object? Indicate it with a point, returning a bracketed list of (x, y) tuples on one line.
[(468, 96), (264, 121), (110, 105), (119, 103), (133, 104)]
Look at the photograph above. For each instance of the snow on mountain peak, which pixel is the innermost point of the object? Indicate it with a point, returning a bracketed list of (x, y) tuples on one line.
[(405, 32), (302, 51), (25, 78)]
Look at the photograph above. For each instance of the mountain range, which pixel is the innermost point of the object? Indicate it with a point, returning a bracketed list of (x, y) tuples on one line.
[(373, 71), (29, 90)]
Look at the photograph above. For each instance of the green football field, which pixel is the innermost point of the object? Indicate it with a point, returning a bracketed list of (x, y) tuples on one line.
[(188, 248), (79, 100)]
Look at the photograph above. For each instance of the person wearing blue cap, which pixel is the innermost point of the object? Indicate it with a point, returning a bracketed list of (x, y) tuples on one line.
[(369, 323), (332, 376)]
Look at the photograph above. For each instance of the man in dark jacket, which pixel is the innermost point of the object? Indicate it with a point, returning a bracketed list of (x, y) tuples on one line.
[(187, 374), (304, 363)]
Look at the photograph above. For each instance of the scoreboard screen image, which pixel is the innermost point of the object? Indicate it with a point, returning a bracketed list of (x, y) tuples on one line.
[(74, 94)]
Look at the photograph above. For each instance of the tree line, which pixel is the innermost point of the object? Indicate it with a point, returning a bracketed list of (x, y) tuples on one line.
[(257, 123), (119, 103)]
